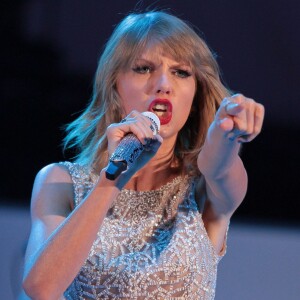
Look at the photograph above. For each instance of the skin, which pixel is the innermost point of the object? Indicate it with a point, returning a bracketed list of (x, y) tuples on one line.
[(61, 237), (153, 76), (239, 119)]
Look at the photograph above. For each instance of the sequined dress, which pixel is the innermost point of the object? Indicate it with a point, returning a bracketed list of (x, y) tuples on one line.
[(151, 245)]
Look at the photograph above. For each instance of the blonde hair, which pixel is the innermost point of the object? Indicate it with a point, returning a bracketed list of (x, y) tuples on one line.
[(174, 36)]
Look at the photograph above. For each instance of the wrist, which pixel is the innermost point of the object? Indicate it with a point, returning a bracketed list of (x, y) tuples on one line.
[(217, 156), (118, 182)]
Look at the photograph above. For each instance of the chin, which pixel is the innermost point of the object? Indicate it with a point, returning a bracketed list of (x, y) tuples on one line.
[(167, 131)]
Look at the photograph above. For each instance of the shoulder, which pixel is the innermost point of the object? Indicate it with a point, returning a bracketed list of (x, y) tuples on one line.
[(52, 190), (51, 203), (55, 172)]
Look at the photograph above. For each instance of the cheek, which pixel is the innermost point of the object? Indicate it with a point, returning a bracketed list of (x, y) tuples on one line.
[(127, 95), (187, 98), (184, 110), (127, 102), (131, 89)]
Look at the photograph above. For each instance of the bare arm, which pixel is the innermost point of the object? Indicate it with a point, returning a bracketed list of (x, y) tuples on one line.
[(238, 119), (60, 239)]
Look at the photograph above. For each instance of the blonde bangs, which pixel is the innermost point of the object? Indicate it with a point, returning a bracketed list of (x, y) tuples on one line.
[(169, 35), (162, 33)]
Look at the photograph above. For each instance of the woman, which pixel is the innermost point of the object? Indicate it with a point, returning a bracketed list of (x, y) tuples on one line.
[(159, 229)]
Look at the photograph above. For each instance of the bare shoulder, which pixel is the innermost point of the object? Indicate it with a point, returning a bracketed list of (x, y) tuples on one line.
[(51, 203), (52, 191), (54, 173)]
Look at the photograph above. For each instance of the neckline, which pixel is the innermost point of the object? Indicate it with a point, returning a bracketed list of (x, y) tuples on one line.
[(174, 181)]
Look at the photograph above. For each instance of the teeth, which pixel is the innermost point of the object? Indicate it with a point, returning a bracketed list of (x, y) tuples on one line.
[(160, 107)]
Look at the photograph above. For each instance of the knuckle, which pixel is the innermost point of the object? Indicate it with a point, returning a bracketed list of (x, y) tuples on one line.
[(260, 107), (134, 113), (238, 96), (110, 128), (250, 101), (225, 100)]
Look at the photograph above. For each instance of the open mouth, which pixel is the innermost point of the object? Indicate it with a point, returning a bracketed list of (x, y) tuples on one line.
[(163, 109)]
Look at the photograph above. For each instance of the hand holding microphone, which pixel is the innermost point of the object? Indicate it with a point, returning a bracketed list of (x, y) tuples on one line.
[(130, 148)]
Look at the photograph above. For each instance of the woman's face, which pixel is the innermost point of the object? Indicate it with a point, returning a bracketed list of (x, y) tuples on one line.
[(156, 82)]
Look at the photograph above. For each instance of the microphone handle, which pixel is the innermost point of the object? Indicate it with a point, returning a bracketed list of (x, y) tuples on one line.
[(128, 150)]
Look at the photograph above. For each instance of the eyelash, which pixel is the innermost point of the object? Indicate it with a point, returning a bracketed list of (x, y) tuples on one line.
[(144, 69), (182, 73)]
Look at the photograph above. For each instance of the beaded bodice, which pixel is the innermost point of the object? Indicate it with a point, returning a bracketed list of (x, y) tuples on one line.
[(151, 245)]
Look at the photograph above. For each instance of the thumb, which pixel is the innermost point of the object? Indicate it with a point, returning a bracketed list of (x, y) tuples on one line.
[(233, 109), (226, 124)]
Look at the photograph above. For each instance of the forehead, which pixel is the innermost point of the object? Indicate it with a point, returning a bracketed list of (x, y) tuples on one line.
[(157, 51)]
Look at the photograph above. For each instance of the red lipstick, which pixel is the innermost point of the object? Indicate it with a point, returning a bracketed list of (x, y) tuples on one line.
[(163, 109)]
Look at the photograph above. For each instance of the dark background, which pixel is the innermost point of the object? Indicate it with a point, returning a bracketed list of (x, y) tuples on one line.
[(49, 51)]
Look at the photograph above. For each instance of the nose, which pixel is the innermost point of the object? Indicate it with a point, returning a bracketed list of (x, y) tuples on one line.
[(163, 84)]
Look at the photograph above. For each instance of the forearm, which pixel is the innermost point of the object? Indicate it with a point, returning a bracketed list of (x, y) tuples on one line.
[(224, 172), (218, 153), (51, 270)]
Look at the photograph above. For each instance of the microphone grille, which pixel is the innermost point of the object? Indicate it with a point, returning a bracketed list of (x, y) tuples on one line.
[(154, 119)]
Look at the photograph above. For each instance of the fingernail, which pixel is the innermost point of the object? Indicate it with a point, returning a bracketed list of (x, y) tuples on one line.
[(231, 106)]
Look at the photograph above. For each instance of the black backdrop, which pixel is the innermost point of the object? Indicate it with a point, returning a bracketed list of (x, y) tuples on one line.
[(49, 51)]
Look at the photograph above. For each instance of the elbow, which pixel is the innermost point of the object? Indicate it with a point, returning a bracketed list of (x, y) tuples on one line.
[(33, 290), (37, 291)]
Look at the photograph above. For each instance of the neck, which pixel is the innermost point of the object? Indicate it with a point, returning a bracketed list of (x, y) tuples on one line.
[(162, 168)]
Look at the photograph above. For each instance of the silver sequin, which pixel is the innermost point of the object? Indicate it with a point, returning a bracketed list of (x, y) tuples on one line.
[(151, 245)]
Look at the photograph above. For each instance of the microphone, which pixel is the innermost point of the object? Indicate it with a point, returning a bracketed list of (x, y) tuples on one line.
[(129, 149)]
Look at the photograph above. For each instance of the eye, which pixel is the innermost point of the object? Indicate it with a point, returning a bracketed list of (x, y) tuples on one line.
[(143, 69), (182, 73)]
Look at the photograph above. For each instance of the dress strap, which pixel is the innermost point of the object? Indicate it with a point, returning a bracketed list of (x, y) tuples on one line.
[(81, 180)]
